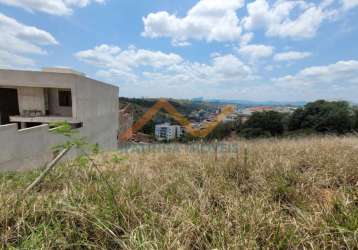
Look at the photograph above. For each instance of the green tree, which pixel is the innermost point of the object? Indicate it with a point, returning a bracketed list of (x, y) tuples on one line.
[(149, 128), (267, 123), (323, 116), (222, 131), (355, 119), (295, 121)]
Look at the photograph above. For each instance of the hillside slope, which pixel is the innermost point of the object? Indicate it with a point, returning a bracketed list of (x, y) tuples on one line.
[(270, 194), (185, 107)]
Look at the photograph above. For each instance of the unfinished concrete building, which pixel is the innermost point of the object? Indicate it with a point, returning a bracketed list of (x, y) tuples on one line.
[(30, 101)]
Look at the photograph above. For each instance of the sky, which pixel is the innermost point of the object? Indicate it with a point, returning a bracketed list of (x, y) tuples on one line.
[(260, 50)]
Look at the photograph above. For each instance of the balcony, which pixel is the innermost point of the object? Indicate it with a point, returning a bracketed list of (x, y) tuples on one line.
[(42, 119)]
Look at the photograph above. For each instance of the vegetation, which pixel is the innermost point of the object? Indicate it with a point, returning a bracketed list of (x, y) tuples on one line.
[(222, 131), (141, 105), (264, 124), (356, 119), (323, 116), (336, 117), (270, 194), (183, 106)]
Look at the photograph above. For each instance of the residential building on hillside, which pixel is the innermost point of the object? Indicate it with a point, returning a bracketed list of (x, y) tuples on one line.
[(31, 100), (167, 132)]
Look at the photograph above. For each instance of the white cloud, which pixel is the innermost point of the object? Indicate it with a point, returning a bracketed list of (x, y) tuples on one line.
[(209, 20), (8, 60), (114, 57), (151, 72), (334, 81), (293, 19), (224, 76), (17, 39), (54, 7), (342, 72), (189, 79), (256, 51), (291, 56), (349, 4)]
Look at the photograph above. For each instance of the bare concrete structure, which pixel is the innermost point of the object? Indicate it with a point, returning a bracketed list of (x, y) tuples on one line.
[(30, 100)]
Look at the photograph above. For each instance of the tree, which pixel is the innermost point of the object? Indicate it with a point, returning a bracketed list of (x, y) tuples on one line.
[(355, 126), (148, 128), (323, 116), (267, 123), (295, 121), (222, 131)]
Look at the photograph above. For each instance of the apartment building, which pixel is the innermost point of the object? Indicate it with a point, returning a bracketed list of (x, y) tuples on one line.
[(167, 132)]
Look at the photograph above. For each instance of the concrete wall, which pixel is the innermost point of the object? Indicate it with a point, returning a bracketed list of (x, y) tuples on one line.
[(97, 107), (94, 103), (19, 78), (54, 107), (27, 148), (31, 99)]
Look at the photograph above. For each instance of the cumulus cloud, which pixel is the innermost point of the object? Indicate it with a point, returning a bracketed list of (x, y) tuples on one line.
[(256, 51), (293, 19), (349, 4), (155, 71), (209, 20), (338, 80), (114, 57), (53, 7), (213, 20), (291, 56), (8, 60), (335, 81), (115, 63), (342, 72), (17, 40), (224, 75), (223, 69)]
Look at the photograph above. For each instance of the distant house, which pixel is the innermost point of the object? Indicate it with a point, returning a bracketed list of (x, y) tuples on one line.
[(31, 100), (167, 132)]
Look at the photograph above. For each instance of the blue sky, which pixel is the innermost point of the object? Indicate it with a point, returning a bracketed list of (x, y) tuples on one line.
[(235, 49)]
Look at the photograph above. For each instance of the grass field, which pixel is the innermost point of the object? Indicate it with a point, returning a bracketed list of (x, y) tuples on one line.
[(273, 194)]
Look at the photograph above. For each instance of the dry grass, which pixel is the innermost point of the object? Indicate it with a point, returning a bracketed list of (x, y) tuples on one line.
[(278, 194)]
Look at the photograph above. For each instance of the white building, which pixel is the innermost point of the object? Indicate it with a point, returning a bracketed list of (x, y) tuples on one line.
[(31, 100), (167, 132)]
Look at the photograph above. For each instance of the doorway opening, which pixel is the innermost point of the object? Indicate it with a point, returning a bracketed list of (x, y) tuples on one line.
[(9, 104)]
